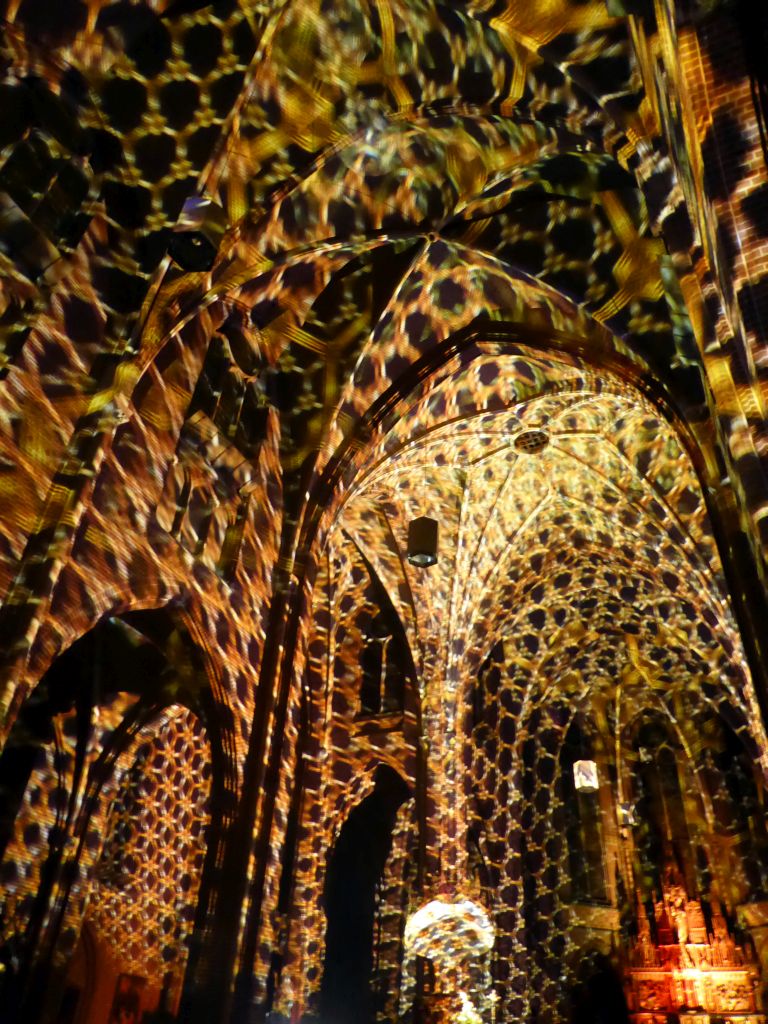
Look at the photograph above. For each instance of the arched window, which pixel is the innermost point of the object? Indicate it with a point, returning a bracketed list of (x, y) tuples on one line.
[(583, 825), (663, 833), (383, 661), (107, 791), (371, 667), (739, 811)]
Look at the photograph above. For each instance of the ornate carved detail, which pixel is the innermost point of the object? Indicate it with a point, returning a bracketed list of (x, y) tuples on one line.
[(688, 969)]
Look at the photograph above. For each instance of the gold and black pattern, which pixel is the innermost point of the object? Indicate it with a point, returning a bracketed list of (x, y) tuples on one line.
[(434, 212)]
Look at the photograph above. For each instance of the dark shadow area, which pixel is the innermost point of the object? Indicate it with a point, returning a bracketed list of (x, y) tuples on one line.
[(598, 996), (110, 659), (354, 872)]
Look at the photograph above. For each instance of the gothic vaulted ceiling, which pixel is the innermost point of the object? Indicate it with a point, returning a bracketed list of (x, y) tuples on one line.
[(572, 527)]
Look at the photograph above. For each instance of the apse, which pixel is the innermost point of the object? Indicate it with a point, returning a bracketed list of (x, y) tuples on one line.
[(575, 625)]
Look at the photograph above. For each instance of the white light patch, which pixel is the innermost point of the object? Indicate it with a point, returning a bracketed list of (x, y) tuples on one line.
[(449, 930), (585, 776)]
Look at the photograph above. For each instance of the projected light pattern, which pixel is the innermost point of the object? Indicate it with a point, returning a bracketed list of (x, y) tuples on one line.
[(501, 264), (596, 598), (143, 899)]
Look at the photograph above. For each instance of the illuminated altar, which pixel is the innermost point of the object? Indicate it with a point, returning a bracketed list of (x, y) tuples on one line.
[(683, 966)]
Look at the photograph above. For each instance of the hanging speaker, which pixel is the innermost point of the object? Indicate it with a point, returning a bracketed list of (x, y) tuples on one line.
[(198, 233), (422, 542)]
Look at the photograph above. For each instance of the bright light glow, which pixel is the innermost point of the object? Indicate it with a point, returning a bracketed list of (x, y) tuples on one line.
[(468, 1014), (585, 776), (449, 930)]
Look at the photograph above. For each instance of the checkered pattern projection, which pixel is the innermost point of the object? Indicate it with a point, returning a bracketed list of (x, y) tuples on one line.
[(279, 279)]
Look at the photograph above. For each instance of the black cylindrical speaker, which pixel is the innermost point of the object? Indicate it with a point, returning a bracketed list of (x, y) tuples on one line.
[(422, 541)]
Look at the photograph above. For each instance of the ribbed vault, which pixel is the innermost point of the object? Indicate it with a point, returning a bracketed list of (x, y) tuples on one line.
[(602, 532), (499, 262), (578, 580)]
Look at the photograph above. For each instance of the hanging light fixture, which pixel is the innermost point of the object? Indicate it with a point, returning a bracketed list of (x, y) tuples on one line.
[(422, 542), (585, 776), (627, 817), (449, 928)]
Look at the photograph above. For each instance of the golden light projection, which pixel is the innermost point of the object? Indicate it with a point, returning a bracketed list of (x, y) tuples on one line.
[(574, 538), (383, 490)]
